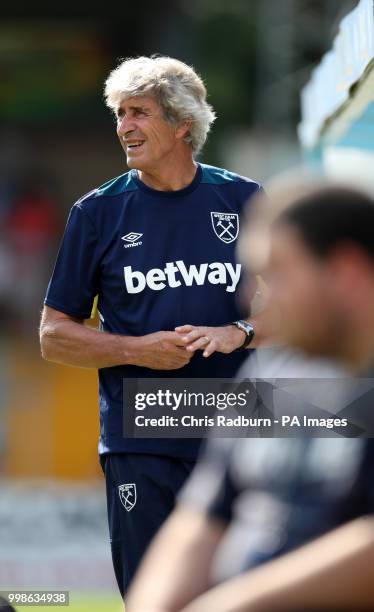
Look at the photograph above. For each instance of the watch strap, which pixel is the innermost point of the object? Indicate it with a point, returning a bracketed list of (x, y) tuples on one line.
[(247, 328)]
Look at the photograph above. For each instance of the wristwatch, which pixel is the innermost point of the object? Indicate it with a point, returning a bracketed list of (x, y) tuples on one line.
[(249, 331)]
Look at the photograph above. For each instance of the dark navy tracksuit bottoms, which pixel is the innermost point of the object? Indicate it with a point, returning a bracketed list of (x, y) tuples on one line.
[(141, 491)]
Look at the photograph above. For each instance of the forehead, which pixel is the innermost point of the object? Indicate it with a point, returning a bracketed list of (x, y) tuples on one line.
[(286, 245), (135, 102)]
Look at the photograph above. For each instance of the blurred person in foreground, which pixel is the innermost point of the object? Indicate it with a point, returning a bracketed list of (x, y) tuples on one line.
[(286, 524), (157, 245)]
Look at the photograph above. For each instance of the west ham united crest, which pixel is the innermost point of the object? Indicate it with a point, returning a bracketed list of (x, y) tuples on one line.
[(127, 495), (226, 226)]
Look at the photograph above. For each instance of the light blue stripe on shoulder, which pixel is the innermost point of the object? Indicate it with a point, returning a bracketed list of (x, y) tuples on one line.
[(114, 187), (118, 185), (219, 176)]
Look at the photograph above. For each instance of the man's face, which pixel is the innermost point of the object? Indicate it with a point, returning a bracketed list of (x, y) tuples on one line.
[(146, 137), (302, 288)]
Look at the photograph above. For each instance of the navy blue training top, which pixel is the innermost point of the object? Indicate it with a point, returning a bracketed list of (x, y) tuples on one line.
[(156, 259)]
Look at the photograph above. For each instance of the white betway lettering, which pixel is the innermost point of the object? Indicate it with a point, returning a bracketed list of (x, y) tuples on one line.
[(193, 273), (215, 273)]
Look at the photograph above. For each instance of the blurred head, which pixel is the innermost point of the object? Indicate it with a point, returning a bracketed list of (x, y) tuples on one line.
[(320, 267), (161, 109)]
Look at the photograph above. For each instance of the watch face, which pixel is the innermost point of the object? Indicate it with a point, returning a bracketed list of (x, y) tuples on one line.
[(246, 327)]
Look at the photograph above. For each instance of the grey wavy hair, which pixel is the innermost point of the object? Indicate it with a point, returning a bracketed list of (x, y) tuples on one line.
[(177, 88)]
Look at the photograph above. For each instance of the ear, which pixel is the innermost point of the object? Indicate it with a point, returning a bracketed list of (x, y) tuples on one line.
[(183, 129), (352, 272)]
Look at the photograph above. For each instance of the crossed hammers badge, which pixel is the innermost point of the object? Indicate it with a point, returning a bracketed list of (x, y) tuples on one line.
[(226, 226)]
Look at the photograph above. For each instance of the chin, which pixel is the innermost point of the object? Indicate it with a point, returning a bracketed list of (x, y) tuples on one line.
[(137, 164), (133, 164)]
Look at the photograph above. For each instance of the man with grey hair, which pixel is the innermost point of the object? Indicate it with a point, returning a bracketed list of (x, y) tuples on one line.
[(157, 246)]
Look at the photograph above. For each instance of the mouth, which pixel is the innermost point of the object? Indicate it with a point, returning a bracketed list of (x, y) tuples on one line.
[(134, 144)]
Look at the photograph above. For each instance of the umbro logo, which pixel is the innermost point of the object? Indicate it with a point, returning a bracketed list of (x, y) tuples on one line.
[(132, 239)]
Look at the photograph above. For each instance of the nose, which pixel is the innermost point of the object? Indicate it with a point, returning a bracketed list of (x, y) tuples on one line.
[(125, 125)]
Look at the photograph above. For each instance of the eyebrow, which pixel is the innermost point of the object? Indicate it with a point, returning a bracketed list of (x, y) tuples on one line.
[(120, 110)]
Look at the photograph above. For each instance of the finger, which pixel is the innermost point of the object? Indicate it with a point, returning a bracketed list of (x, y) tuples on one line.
[(184, 329), (198, 344), (182, 361), (210, 349), (178, 352), (179, 341), (196, 333)]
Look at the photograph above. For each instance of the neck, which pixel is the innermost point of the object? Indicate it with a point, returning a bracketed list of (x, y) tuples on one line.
[(174, 174)]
